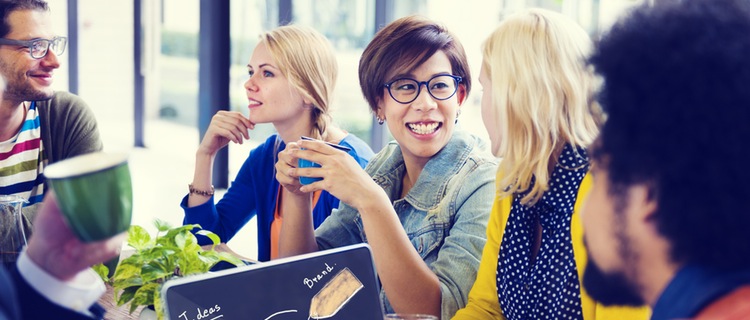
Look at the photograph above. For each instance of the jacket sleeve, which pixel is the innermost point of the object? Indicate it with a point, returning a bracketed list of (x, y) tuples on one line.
[(35, 306), (483, 302), (8, 300), (236, 207), (460, 254)]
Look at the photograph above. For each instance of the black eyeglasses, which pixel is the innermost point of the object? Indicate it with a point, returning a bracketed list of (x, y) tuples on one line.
[(440, 87), (38, 47)]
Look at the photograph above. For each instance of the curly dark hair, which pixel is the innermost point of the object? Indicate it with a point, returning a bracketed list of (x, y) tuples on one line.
[(677, 97), (8, 6)]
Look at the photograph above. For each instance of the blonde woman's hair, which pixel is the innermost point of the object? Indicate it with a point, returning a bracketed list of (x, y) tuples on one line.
[(307, 60), (542, 88)]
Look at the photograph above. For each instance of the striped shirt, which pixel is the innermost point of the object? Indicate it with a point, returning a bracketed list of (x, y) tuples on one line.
[(22, 161)]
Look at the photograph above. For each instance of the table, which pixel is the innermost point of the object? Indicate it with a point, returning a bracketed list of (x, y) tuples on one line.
[(113, 311), (107, 300)]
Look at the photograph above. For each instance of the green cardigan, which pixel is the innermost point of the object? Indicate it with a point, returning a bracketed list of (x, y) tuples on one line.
[(68, 127)]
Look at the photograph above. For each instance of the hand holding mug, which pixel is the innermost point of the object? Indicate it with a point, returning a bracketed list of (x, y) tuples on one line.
[(334, 171), (304, 163), (56, 249), (285, 163), (94, 193)]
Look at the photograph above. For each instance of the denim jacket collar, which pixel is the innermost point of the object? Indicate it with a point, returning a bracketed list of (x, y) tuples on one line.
[(432, 183)]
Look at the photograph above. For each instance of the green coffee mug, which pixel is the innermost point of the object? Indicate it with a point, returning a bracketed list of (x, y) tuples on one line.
[(94, 193)]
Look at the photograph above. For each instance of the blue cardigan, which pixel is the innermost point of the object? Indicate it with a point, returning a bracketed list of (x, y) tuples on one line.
[(254, 192)]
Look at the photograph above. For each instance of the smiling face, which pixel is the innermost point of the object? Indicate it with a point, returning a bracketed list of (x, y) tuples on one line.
[(271, 99), (27, 78), (424, 126)]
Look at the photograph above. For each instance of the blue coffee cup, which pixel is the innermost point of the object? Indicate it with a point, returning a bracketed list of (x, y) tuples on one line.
[(303, 163)]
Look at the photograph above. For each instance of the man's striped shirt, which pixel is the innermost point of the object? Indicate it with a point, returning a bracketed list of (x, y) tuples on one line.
[(22, 161)]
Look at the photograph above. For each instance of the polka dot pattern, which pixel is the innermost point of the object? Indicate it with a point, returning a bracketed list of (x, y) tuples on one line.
[(548, 288)]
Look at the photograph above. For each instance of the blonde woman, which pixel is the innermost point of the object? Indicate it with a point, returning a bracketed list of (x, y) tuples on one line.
[(535, 105), (292, 74)]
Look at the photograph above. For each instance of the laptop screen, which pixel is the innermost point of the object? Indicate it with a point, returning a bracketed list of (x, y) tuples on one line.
[(333, 284)]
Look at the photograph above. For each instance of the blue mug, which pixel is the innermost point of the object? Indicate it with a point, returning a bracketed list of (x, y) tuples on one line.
[(303, 163)]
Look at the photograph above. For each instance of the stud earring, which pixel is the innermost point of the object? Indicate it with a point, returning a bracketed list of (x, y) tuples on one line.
[(381, 121)]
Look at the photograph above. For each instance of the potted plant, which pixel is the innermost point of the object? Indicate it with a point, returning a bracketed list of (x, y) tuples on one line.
[(172, 253)]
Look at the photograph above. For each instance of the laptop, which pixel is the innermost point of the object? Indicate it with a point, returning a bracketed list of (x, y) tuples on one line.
[(339, 283)]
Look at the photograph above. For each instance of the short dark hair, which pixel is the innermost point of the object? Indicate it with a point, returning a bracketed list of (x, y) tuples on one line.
[(403, 45), (677, 98), (8, 6)]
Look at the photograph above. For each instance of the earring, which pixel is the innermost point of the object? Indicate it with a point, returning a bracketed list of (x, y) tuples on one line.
[(458, 113), (381, 121)]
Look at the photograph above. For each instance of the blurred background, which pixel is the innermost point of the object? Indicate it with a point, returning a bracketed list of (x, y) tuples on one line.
[(155, 71)]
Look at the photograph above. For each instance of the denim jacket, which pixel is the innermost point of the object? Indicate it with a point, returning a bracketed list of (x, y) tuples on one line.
[(445, 214)]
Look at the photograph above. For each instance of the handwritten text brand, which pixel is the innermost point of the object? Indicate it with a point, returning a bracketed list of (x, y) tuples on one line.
[(311, 282)]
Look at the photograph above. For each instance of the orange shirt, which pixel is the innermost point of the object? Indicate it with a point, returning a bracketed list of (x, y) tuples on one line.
[(733, 306), (276, 223)]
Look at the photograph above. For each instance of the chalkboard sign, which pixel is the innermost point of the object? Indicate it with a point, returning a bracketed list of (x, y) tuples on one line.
[(333, 284)]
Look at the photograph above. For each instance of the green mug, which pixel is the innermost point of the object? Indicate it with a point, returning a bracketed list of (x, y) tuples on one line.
[(94, 193)]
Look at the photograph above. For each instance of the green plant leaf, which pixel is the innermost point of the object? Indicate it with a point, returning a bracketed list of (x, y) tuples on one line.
[(161, 225), (173, 252), (155, 270), (158, 305), (102, 271), (126, 295), (214, 237), (144, 296), (127, 283), (192, 263), (182, 239), (126, 270), (225, 256), (170, 238), (138, 238)]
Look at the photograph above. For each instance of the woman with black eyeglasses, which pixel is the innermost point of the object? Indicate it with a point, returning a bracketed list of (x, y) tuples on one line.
[(422, 203)]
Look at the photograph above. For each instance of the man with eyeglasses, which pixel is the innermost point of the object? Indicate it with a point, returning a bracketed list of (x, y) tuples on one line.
[(38, 126)]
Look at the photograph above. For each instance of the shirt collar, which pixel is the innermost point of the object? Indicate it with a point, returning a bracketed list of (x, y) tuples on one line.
[(432, 183), (693, 288)]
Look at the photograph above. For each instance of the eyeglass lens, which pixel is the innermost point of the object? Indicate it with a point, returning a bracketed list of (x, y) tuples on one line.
[(406, 90), (39, 47)]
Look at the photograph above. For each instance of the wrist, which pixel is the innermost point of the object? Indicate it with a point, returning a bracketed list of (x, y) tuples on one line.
[(77, 292), (41, 262), (204, 155), (372, 201), (206, 192)]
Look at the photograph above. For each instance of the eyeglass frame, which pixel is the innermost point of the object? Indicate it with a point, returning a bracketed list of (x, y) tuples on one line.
[(30, 43), (457, 79)]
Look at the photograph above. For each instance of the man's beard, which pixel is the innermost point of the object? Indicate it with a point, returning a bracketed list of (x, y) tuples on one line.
[(610, 288), (25, 92), (19, 88)]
